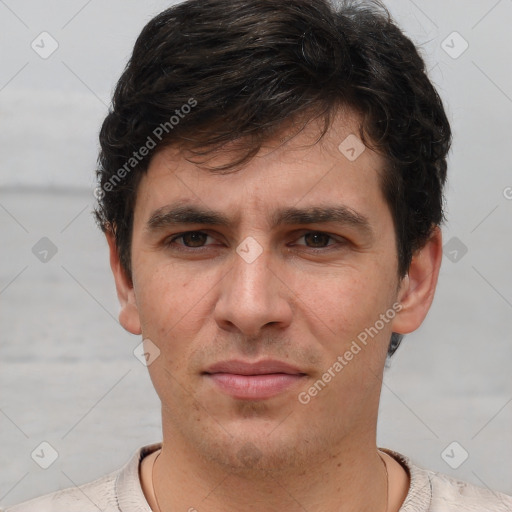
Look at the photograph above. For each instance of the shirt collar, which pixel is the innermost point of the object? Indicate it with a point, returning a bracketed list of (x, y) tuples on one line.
[(131, 497)]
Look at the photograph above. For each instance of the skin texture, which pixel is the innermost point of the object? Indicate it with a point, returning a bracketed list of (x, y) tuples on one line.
[(303, 300)]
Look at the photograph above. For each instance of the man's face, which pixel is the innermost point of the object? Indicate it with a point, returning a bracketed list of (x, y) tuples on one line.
[(271, 284)]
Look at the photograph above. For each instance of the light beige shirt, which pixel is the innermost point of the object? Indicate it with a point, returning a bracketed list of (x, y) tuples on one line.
[(121, 491)]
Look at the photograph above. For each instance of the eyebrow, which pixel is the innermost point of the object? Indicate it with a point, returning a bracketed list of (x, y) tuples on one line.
[(170, 215)]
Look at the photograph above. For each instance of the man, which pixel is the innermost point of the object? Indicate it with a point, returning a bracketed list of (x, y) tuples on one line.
[(271, 191)]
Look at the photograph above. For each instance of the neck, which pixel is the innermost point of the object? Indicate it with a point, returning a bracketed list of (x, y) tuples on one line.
[(341, 482)]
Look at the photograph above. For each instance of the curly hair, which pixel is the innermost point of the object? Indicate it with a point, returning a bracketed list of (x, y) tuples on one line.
[(205, 73)]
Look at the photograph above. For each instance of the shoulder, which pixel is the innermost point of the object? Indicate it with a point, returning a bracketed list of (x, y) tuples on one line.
[(118, 491), (430, 491), (97, 495), (452, 494)]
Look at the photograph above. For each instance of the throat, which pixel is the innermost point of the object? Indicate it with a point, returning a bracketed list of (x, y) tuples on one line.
[(389, 484)]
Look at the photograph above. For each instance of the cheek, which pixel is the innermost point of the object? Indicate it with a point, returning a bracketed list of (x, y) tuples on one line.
[(158, 293), (171, 301), (169, 308), (342, 304), (342, 321)]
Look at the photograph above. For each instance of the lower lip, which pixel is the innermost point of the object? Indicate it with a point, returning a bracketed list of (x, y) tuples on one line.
[(254, 387)]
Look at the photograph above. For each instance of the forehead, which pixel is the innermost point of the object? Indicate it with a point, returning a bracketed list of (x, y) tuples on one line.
[(291, 170)]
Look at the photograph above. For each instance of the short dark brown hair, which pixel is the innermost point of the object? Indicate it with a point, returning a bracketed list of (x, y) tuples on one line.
[(204, 73)]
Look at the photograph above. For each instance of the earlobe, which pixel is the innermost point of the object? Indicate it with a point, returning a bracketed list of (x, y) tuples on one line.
[(418, 286), (129, 314)]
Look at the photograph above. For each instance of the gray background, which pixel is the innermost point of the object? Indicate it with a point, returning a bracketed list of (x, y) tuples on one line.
[(68, 375)]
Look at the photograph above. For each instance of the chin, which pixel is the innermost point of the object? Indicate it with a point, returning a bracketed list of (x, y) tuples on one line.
[(257, 447)]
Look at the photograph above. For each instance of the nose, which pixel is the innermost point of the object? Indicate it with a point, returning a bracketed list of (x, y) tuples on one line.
[(253, 295)]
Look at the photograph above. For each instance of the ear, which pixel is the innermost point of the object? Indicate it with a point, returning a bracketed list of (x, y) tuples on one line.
[(129, 314), (418, 286)]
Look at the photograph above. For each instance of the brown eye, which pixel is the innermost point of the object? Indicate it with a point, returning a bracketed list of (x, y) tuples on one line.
[(194, 238), (187, 240), (317, 239)]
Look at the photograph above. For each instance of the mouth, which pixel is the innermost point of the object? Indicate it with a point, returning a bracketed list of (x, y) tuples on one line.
[(253, 381)]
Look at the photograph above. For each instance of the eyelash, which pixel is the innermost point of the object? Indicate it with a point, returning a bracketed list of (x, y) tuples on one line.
[(169, 242)]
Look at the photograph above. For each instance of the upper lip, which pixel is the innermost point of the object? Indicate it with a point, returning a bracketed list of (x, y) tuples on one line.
[(266, 366)]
